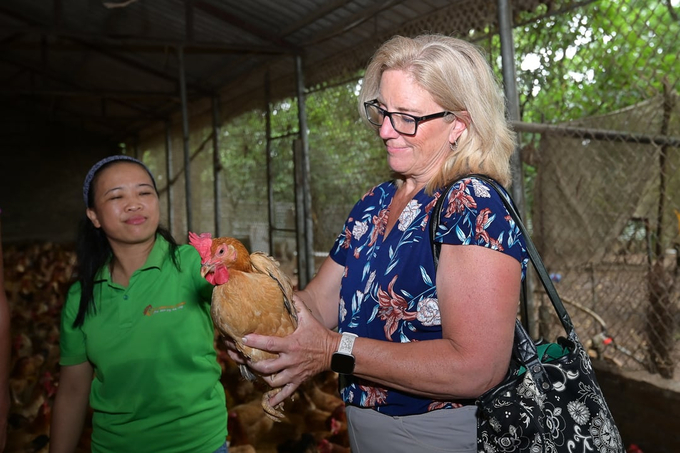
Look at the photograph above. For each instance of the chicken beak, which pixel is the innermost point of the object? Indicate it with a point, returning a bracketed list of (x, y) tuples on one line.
[(206, 269)]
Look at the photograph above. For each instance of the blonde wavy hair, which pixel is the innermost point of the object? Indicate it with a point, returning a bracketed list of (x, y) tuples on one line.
[(460, 80)]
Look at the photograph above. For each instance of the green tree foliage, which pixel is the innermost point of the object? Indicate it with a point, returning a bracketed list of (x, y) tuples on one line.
[(594, 59), (346, 157), (243, 159), (574, 60), (341, 145)]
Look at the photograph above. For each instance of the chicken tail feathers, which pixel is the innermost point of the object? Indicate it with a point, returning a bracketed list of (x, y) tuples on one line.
[(286, 301), (246, 373), (266, 264)]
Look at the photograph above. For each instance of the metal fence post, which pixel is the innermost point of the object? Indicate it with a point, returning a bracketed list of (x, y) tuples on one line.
[(510, 87), (306, 249), (217, 166), (185, 136)]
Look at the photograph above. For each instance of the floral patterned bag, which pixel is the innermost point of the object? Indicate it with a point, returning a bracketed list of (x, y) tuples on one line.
[(550, 400)]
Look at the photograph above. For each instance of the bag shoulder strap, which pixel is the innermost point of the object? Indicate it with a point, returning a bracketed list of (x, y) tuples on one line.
[(524, 348), (530, 247)]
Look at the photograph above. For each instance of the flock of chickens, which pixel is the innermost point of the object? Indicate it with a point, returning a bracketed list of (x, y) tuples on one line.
[(37, 278)]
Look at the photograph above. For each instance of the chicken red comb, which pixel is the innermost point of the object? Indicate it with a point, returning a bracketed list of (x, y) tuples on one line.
[(202, 243)]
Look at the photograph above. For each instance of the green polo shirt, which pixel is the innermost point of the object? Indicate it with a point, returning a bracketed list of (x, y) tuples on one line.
[(157, 381)]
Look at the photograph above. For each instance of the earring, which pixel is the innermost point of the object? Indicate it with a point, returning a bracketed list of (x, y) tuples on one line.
[(454, 145)]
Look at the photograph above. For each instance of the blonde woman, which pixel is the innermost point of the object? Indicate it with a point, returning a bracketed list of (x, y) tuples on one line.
[(414, 347)]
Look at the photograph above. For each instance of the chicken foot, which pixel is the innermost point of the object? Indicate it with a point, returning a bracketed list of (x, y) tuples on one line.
[(273, 412)]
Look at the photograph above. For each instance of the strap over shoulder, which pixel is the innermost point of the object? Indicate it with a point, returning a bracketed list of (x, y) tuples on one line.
[(526, 350)]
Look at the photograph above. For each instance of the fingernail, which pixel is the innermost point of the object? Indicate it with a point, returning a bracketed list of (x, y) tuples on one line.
[(244, 340)]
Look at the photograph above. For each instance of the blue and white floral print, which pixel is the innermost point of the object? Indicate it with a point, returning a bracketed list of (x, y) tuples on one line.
[(388, 290)]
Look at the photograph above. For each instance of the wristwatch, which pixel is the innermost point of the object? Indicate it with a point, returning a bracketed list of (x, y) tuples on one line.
[(342, 361)]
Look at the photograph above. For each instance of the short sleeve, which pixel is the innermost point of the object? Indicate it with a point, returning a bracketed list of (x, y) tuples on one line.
[(474, 214), (72, 339), (341, 246)]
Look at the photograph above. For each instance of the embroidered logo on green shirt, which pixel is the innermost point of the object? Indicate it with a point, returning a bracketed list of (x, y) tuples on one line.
[(150, 310)]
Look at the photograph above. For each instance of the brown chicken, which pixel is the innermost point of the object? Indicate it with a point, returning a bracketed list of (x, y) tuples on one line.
[(251, 295)]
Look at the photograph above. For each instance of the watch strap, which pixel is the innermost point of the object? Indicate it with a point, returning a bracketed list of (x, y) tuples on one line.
[(346, 343)]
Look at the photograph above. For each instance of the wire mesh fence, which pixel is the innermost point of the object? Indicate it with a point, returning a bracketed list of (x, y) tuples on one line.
[(598, 85), (599, 135)]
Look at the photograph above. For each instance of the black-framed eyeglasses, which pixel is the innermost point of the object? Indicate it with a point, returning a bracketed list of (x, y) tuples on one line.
[(401, 122)]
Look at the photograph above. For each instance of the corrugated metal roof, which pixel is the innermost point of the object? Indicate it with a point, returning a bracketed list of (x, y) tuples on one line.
[(111, 66)]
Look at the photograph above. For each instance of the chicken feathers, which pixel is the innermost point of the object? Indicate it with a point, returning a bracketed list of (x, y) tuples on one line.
[(251, 295)]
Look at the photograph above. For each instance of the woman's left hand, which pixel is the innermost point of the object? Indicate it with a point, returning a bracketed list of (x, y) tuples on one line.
[(302, 354), (232, 351)]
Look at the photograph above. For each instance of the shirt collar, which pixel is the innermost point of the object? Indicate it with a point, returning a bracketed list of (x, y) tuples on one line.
[(154, 260)]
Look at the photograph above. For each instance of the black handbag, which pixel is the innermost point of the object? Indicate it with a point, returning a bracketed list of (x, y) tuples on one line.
[(550, 400)]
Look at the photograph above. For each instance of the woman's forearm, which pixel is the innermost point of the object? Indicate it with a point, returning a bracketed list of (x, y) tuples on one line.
[(70, 408), (321, 295)]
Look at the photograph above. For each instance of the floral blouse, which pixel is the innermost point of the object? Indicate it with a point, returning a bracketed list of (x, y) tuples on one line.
[(388, 290)]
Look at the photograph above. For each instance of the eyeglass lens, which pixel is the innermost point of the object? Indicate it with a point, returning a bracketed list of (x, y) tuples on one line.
[(402, 123)]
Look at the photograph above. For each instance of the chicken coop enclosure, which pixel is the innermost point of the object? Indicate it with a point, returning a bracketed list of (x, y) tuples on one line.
[(213, 96)]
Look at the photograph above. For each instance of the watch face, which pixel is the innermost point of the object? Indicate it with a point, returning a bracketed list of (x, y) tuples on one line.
[(342, 363)]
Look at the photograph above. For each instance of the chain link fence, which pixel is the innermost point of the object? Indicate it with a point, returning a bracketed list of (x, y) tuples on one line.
[(599, 135), (598, 86)]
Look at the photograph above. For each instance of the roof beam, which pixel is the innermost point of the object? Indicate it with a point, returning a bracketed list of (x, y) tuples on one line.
[(229, 18), (150, 44), (108, 53), (353, 21), (139, 66), (326, 9), (201, 48), (91, 93), (65, 116), (155, 45), (150, 113)]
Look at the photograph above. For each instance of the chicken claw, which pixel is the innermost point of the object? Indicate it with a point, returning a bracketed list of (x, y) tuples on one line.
[(273, 412)]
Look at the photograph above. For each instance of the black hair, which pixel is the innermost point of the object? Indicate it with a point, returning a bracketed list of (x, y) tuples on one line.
[(92, 252)]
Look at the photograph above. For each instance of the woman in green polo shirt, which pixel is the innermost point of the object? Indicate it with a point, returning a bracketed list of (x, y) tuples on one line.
[(136, 333)]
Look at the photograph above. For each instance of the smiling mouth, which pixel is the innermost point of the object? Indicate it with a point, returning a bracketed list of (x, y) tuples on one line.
[(135, 220)]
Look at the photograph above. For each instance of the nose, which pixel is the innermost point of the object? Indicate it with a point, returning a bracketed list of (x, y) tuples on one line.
[(134, 205), (386, 130)]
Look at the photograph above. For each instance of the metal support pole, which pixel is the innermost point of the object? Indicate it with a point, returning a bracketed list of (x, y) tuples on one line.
[(510, 86), (217, 166), (168, 173), (185, 136), (303, 277), (512, 97), (307, 248), (270, 173)]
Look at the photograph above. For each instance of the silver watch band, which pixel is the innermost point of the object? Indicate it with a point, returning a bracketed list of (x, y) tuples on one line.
[(347, 343)]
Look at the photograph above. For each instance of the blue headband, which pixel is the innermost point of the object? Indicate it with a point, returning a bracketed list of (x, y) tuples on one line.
[(87, 185)]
